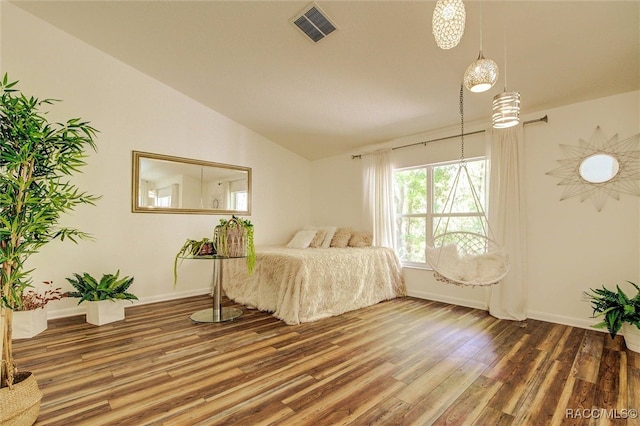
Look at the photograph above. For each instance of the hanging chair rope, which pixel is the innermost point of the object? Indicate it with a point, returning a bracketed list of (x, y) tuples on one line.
[(461, 109), (462, 257)]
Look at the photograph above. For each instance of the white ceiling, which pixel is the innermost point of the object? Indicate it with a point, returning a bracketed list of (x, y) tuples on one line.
[(380, 76)]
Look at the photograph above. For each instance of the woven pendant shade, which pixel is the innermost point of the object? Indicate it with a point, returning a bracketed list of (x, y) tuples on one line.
[(506, 110), (448, 23), (481, 75)]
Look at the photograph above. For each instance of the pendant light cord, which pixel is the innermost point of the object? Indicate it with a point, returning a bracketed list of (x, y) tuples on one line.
[(481, 28), (504, 36), (461, 123)]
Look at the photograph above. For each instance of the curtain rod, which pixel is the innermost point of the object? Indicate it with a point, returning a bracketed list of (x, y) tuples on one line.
[(545, 119)]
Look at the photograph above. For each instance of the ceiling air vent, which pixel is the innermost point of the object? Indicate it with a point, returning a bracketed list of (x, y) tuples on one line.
[(314, 23)]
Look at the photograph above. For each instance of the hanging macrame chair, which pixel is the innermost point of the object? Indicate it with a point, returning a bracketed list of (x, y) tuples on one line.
[(463, 257)]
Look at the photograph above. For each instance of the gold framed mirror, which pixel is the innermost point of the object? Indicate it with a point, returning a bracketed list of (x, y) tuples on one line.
[(168, 184)]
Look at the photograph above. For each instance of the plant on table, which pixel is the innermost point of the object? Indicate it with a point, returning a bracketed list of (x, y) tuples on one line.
[(194, 248), (37, 158), (234, 238), (231, 238)]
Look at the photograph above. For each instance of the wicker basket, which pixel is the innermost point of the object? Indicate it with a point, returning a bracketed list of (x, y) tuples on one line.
[(20, 405), (231, 239)]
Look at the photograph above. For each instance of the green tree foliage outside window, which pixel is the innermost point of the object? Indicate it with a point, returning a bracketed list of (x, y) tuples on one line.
[(420, 195)]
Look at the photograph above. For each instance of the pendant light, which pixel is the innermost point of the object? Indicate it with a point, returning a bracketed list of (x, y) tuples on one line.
[(506, 109), (482, 74), (448, 23), (506, 105)]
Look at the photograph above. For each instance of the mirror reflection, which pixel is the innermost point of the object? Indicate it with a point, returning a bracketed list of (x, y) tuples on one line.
[(167, 184), (599, 168)]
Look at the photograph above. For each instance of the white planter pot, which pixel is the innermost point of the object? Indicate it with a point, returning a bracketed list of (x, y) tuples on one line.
[(27, 324), (105, 311), (631, 336)]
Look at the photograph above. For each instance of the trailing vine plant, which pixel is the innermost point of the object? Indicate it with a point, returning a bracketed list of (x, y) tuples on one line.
[(196, 248), (234, 238)]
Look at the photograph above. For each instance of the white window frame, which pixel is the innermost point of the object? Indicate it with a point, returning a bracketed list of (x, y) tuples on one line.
[(430, 216), (235, 196)]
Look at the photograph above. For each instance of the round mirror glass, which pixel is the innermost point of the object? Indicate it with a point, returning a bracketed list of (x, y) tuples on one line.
[(599, 168)]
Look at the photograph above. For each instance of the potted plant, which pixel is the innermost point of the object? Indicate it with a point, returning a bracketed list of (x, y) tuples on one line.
[(31, 318), (194, 248), (234, 238), (102, 296), (231, 238), (618, 311), (37, 159)]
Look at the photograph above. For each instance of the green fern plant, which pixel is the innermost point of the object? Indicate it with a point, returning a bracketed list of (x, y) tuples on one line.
[(110, 287), (193, 248), (615, 308)]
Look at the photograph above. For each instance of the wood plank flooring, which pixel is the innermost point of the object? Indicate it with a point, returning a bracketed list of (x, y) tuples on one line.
[(403, 362)]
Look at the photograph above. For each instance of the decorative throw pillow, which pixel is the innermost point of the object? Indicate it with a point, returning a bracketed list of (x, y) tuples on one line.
[(361, 239), (302, 239), (341, 237), (330, 232), (318, 239)]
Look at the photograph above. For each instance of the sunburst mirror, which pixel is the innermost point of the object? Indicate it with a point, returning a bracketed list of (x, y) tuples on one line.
[(600, 168)]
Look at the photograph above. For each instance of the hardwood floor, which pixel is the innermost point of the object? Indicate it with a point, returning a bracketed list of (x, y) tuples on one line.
[(402, 362)]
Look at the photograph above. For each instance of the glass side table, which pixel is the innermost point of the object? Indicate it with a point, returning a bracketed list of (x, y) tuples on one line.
[(217, 313)]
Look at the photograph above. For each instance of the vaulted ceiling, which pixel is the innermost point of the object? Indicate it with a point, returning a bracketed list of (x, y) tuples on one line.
[(378, 77)]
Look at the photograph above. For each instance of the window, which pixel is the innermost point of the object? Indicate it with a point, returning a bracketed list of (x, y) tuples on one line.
[(421, 209), (239, 200)]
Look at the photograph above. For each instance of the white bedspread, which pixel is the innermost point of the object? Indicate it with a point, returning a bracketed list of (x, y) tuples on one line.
[(303, 285)]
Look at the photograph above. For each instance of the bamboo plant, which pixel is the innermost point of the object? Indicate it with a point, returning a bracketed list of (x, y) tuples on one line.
[(37, 158)]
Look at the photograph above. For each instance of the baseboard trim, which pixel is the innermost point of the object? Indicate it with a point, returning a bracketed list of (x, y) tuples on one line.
[(564, 320), (448, 299), (585, 323), (469, 303), (81, 310)]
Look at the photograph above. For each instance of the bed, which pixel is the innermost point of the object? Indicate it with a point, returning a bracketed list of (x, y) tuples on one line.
[(304, 285)]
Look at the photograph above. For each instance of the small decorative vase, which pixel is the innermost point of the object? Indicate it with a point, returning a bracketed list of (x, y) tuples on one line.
[(20, 405), (631, 336), (105, 311), (206, 250), (27, 324)]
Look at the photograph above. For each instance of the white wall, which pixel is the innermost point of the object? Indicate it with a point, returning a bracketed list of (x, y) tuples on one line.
[(135, 112), (571, 247)]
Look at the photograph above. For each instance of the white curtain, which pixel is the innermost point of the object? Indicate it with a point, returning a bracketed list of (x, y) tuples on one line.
[(507, 219), (378, 196)]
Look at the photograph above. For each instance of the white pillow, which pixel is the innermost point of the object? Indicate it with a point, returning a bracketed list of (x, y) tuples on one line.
[(302, 239), (330, 231)]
